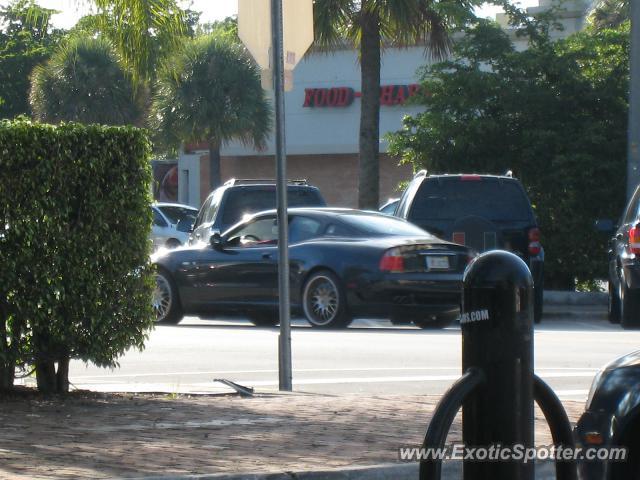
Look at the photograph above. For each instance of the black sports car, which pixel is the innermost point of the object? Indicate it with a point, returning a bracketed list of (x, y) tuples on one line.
[(344, 263)]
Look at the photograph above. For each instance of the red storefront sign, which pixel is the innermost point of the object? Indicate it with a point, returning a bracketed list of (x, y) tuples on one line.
[(344, 96)]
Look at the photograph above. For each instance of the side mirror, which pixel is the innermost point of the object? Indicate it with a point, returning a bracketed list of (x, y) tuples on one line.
[(216, 241), (605, 225)]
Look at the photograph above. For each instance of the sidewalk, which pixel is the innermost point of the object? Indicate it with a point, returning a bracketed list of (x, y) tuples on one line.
[(134, 436)]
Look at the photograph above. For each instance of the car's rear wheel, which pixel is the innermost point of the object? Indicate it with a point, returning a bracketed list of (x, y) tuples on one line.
[(264, 319), (613, 310), (537, 303), (324, 302), (434, 322), (629, 307), (165, 300)]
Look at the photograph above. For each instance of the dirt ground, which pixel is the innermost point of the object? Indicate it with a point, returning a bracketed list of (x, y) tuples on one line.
[(87, 435)]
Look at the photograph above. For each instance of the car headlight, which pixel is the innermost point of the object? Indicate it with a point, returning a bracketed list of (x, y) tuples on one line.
[(594, 387)]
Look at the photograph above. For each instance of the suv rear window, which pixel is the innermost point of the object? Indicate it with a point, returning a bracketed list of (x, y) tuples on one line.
[(452, 198), (243, 201)]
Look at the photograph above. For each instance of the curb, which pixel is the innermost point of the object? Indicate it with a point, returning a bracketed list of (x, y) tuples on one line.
[(566, 297), (450, 470)]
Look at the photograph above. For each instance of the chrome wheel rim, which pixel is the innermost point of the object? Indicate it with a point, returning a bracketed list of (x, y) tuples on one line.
[(161, 299), (321, 301)]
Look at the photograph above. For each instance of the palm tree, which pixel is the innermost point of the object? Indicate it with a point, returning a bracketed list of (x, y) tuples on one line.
[(144, 32), (84, 81), (211, 92), (367, 23)]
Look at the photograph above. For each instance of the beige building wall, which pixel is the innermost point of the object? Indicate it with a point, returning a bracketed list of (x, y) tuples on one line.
[(335, 175)]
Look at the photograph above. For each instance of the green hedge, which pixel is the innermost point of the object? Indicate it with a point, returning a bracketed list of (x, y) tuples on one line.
[(75, 280)]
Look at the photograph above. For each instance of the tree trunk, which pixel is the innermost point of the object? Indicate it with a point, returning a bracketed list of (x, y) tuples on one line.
[(7, 360), (46, 376), (62, 375), (369, 170), (46, 355), (215, 177)]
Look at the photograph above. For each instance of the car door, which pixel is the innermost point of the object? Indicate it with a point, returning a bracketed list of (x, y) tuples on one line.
[(244, 272)]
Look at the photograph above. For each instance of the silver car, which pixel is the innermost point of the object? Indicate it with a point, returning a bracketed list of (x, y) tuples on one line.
[(171, 224)]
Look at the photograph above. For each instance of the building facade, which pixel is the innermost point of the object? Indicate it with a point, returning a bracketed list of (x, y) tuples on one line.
[(322, 123)]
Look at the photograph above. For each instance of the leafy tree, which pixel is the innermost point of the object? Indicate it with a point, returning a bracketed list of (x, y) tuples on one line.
[(555, 114), (227, 28), (26, 39), (367, 23), (211, 92), (85, 82)]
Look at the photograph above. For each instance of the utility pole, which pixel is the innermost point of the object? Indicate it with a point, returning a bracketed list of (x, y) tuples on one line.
[(633, 143), (284, 341), (278, 33)]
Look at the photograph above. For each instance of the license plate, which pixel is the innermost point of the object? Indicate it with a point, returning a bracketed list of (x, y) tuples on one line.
[(437, 263)]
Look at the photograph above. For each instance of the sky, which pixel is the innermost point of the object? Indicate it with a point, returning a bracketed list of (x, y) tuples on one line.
[(72, 10)]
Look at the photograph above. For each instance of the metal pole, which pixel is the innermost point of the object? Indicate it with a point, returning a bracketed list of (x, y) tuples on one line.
[(284, 340), (633, 156), (497, 339)]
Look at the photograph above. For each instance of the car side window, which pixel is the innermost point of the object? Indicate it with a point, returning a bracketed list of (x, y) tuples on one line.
[(212, 209), (158, 221), (259, 233), (303, 228), (402, 210), (202, 212), (337, 230)]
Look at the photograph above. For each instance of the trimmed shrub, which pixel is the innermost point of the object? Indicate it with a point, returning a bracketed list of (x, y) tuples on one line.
[(75, 280)]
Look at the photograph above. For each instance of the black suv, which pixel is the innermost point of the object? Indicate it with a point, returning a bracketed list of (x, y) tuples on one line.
[(484, 212), (228, 204), (624, 265)]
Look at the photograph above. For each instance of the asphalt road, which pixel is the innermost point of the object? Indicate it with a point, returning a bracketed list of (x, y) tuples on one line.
[(371, 357)]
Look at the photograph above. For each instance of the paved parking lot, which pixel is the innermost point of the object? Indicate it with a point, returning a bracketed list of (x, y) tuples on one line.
[(370, 357)]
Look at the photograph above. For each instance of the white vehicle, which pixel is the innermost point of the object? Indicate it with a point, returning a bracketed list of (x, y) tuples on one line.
[(172, 223)]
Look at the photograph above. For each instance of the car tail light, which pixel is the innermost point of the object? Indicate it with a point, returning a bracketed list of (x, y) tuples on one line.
[(634, 239), (459, 238), (534, 241), (392, 261), (470, 178)]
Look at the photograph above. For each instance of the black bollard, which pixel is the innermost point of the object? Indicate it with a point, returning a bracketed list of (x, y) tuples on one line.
[(497, 338)]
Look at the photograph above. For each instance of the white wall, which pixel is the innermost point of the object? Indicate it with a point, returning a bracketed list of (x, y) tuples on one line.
[(335, 129), (189, 190)]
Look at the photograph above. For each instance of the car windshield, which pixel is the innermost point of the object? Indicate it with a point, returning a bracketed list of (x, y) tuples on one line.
[(175, 214), (450, 199), (382, 225), (243, 202)]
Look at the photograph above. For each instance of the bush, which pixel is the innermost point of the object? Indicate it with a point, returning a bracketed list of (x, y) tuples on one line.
[(74, 222)]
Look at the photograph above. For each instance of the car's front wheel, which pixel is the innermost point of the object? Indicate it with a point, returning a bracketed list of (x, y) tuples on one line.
[(172, 243), (324, 302), (165, 301)]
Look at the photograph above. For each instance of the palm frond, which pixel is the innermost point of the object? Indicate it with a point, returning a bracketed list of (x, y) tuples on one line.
[(210, 91), (137, 26)]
